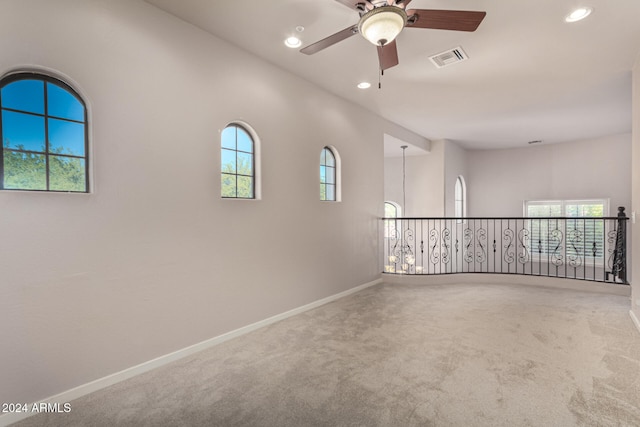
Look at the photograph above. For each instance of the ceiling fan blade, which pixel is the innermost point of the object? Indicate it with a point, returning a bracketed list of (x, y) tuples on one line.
[(388, 55), (457, 20), (329, 41)]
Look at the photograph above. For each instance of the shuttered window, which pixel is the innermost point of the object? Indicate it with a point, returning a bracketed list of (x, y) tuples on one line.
[(580, 234)]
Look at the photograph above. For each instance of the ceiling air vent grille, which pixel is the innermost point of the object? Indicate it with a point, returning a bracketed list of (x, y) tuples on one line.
[(449, 57)]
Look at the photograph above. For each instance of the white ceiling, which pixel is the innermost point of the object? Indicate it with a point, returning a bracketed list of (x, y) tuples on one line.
[(530, 75)]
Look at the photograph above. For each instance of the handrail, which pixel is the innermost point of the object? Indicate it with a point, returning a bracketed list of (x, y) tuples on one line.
[(463, 218), (584, 248)]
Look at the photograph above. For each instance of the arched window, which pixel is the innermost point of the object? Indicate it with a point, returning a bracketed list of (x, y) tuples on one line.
[(329, 175), (391, 210), (44, 135), (460, 198), (238, 163)]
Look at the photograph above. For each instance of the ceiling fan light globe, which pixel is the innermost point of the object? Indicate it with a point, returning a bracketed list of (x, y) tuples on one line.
[(382, 25)]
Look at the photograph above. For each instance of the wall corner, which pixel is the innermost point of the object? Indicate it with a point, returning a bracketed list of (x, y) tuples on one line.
[(635, 190)]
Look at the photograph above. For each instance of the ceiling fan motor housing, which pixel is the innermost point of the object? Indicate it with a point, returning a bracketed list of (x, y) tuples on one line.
[(382, 24)]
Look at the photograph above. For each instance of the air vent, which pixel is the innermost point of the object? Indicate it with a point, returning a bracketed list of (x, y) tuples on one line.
[(448, 57)]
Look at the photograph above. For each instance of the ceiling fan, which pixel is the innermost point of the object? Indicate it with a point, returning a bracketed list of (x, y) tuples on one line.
[(382, 20)]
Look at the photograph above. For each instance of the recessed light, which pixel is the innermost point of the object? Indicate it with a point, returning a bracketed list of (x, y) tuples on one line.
[(293, 42), (578, 14), (364, 85)]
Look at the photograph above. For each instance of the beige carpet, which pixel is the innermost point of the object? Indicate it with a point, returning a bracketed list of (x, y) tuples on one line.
[(401, 355)]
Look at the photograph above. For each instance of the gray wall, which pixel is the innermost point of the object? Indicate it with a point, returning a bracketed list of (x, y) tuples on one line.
[(153, 260), (500, 180), (635, 256), (424, 182)]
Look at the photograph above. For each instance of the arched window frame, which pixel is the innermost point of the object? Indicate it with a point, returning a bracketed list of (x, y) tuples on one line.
[(460, 199), (391, 210), (254, 153), (48, 152), (389, 207), (327, 167)]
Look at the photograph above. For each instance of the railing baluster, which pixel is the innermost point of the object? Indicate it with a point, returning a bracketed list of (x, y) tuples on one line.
[(428, 248), (549, 248), (585, 245), (579, 248), (620, 252)]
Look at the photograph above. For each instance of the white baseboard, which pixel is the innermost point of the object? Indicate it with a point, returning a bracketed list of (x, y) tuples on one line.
[(635, 319), (109, 380)]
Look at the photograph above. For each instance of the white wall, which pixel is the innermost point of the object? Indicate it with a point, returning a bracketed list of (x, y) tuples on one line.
[(635, 228), (500, 180), (424, 182), (153, 260)]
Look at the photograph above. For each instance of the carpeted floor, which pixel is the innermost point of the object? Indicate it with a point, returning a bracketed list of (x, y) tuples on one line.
[(401, 355)]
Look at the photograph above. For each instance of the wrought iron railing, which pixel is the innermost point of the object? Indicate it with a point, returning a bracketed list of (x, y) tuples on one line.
[(585, 248)]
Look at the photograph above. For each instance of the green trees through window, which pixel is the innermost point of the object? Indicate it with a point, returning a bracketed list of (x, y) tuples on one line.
[(238, 166), (44, 135)]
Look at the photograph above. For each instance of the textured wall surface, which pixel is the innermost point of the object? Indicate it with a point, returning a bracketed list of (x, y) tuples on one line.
[(500, 180), (153, 260), (424, 182), (635, 228)]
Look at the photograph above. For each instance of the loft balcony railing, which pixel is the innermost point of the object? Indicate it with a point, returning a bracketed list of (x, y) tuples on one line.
[(583, 248)]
